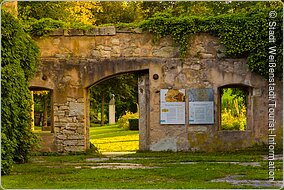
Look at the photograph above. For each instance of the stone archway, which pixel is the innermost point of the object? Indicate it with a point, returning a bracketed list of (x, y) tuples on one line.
[(70, 80), (143, 102)]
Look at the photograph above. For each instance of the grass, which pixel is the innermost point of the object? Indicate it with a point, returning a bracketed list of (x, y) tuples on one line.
[(74, 171), (167, 170), (114, 139)]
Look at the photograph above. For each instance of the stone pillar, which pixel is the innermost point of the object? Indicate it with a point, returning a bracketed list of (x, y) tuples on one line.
[(144, 110), (69, 120), (111, 108)]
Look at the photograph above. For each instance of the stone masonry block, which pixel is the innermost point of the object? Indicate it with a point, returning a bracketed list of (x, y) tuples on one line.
[(57, 32), (68, 131), (101, 31), (63, 107), (74, 148), (92, 32), (76, 109), (73, 32), (107, 31), (75, 137), (70, 142)]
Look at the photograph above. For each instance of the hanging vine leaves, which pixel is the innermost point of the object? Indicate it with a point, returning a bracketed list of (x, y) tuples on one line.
[(243, 34)]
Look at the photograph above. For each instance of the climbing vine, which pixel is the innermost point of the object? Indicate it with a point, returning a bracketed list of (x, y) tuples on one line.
[(19, 55), (243, 34)]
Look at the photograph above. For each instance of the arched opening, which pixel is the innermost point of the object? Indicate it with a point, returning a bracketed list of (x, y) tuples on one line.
[(234, 109), (116, 112)]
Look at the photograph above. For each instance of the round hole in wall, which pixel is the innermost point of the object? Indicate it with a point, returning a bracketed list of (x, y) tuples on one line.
[(155, 76), (44, 77)]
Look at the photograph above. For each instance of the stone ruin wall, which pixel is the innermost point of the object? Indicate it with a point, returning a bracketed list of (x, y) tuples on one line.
[(74, 60)]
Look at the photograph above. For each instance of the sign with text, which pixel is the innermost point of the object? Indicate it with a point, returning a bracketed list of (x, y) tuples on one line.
[(172, 106), (201, 106)]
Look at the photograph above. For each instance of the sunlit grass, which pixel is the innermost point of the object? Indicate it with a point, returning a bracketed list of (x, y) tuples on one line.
[(114, 139), (169, 171)]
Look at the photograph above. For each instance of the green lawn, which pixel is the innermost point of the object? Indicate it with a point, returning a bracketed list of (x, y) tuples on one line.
[(163, 170), (114, 139), (151, 170)]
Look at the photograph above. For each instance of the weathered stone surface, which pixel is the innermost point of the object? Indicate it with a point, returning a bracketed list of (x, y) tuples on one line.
[(72, 64), (92, 32), (57, 32), (101, 31), (73, 32), (76, 109), (198, 129), (166, 52), (165, 145)]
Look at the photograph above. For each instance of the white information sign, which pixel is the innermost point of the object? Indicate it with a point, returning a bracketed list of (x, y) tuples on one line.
[(201, 106), (172, 106), (201, 112)]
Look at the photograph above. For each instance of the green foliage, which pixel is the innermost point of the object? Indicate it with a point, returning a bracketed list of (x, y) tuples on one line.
[(65, 11), (241, 26), (243, 34), (116, 12), (133, 124), (14, 39), (19, 58), (123, 121), (170, 170), (45, 26), (124, 87), (233, 112), (95, 116), (92, 149)]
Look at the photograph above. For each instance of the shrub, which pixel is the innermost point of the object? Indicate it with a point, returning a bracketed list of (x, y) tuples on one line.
[(19, 58), (233, 111), (123, 120), (95, 116), (234, 122), (133, 124), (45, 26)]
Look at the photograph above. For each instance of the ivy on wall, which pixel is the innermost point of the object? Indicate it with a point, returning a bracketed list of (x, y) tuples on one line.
[(244, 35), (19, 55)]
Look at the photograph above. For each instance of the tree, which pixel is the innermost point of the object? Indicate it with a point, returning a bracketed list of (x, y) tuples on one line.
[(68, 12), (19, 59), (125, 89), (117, 12)]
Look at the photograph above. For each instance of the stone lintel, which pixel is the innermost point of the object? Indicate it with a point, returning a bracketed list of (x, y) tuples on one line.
[(101, 31)]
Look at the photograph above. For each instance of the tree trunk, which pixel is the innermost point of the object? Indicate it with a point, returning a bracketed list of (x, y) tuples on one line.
[(45, 111), (103, 110)]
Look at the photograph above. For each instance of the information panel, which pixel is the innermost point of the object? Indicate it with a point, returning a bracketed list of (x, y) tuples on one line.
[(172, 106), (201, 106)]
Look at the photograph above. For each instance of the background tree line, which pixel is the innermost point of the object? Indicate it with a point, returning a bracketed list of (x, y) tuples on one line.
[(103, 12)]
